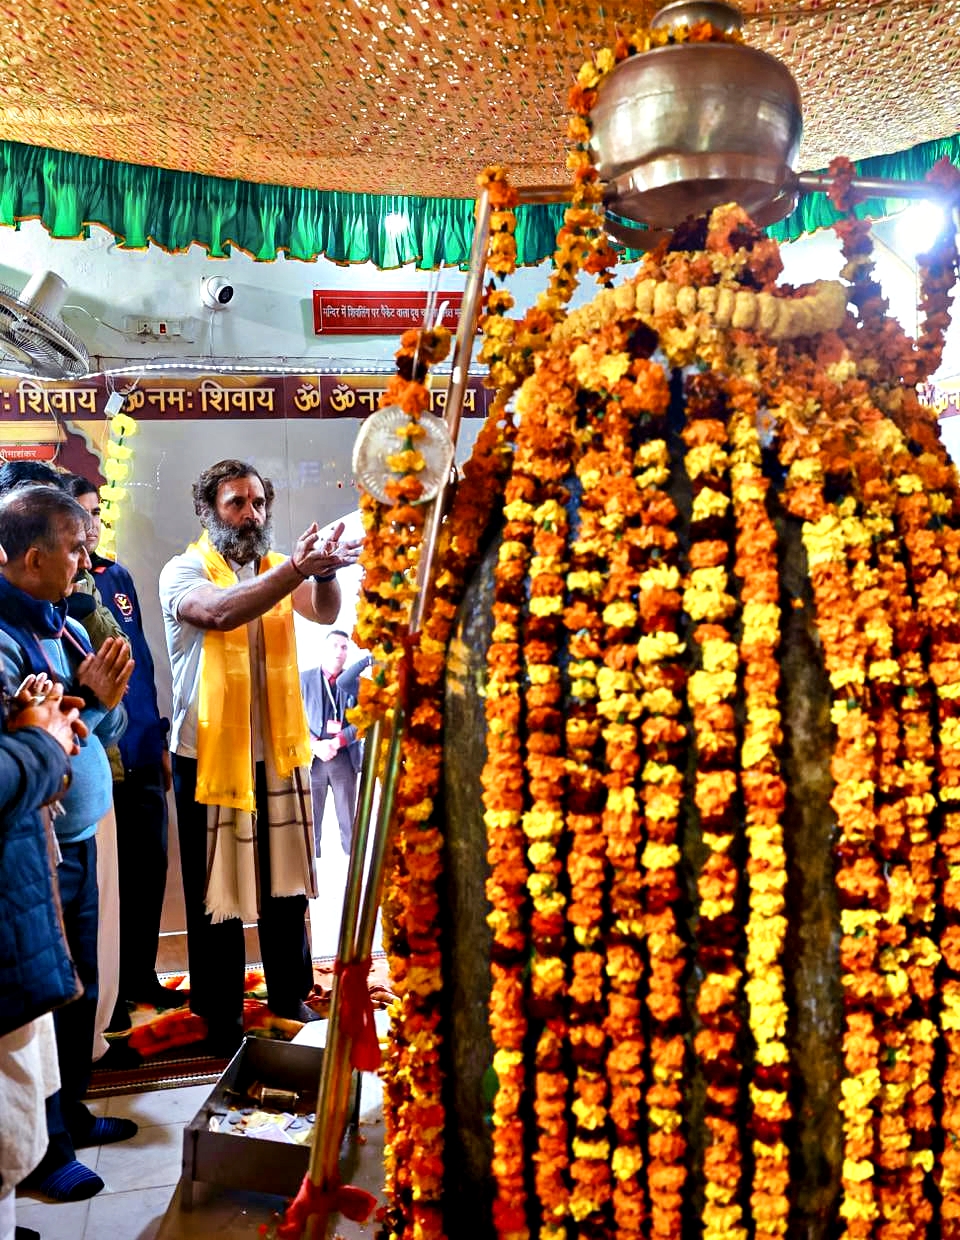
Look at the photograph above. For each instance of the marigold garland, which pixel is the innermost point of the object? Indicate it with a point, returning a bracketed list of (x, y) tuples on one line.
[(764, 795), (926, 494), (661, 677), (414, 1110), (543, 820), (586, 858), (711, 693), (904, 782), (887, 948), (620, 498), (506, 887), (394, 531)]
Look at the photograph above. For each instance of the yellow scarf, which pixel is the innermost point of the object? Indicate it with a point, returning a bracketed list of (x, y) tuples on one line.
[(224, 743)]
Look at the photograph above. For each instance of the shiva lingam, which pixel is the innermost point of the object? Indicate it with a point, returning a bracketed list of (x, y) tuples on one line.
[(676, 131)]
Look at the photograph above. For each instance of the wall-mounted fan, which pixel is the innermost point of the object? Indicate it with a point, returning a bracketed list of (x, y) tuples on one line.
[(33, 338)]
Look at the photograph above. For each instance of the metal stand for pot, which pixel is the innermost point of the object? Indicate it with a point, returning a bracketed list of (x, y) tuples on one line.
[(362, 898)]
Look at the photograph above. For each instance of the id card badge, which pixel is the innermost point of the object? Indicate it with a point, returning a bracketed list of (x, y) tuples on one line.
[(334, 727)]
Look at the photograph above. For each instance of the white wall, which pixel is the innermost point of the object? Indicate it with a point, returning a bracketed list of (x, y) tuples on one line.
[(271, 315), (309, 464)]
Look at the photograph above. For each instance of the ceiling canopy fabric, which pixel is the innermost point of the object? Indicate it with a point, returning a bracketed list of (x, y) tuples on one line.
[(414, 97)]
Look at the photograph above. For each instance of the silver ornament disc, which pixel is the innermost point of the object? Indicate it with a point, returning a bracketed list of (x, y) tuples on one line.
[(380, 437)]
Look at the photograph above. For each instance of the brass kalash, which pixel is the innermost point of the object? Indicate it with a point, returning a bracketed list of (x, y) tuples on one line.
[(687, 127), (677, 131)]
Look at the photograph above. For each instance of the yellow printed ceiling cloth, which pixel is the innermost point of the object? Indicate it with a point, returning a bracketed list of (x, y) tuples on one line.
[(415, 96)]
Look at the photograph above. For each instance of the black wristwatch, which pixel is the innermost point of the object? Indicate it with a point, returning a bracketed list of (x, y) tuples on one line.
[(322, 578)]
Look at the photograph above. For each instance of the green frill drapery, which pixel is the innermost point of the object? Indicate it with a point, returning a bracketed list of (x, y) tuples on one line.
[(174, 210)]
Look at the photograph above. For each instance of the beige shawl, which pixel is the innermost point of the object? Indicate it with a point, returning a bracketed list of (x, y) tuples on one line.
[(233, 880)]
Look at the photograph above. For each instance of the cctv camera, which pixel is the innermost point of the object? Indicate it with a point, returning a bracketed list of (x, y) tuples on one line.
[(216, 292)]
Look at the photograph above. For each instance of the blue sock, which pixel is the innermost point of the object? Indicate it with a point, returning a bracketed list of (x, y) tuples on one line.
[(71, 1182), (105, 1131)]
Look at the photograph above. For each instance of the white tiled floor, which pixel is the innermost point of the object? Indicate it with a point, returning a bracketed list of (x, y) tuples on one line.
[(141, 1200)]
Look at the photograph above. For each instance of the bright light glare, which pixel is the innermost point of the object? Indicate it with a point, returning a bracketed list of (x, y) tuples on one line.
[(918, 227), (394, 222)]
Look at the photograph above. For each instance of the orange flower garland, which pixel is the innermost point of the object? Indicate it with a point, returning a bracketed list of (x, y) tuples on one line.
[(389, 558), (393, 532), (543, 820), (932, 547), (503, 801), (509, 349), (620, 526), (905, 780), (660, 678), (711, 692), (910, 954), (603, 624), (414, 1110), (892, 999), (764, 794), (585, 862), (887, 950)]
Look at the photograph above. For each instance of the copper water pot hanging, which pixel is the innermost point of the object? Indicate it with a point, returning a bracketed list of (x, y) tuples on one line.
[(682, 128)]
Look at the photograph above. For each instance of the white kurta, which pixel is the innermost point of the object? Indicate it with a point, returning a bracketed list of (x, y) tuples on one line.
[(28, 1075)]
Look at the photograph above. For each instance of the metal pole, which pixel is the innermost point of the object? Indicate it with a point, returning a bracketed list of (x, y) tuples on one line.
[(545, 193), (813, 182), (459, 372), (378, 858), (355, 943), (463, 348), (333, 1099)]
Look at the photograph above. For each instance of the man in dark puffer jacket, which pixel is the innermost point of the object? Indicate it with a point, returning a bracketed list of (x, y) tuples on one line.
[(36, 972), (34, 963)]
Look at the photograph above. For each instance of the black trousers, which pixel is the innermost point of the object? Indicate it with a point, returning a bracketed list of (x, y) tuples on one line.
[(217, 953), (68, 1120), (337, 774), (140, 802)]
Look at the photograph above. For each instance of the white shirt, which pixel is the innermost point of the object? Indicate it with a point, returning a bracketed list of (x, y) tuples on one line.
[(180, 577)]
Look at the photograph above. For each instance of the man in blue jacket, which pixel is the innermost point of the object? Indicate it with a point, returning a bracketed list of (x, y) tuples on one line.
[(44, 534), (39, 729), (140, 788)]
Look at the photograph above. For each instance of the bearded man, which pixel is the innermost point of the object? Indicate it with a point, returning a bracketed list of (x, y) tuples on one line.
[(239, 739)]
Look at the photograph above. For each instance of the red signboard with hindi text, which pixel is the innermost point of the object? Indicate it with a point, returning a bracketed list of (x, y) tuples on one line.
[(339, 313)]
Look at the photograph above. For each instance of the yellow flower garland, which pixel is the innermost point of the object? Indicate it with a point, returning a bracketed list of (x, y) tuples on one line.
[(764, 794)]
